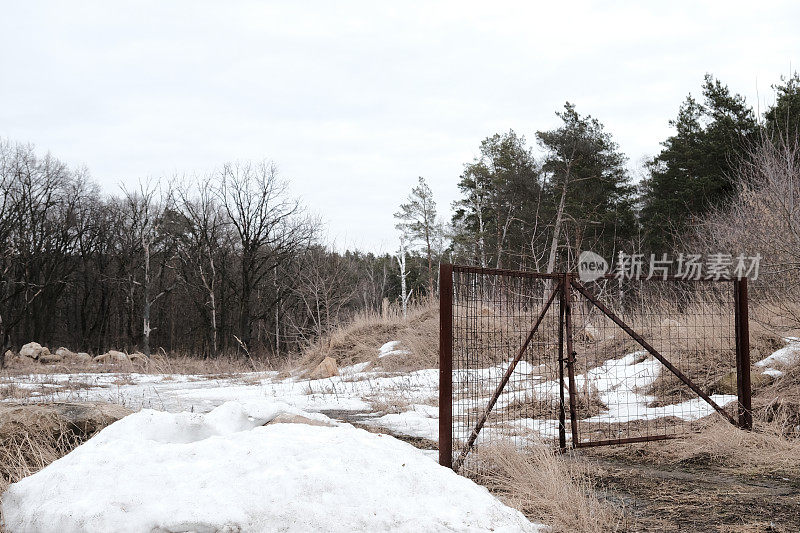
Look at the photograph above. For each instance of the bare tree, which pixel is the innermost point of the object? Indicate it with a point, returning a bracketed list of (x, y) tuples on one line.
[(40, 198), (269, 227), (762, 220), (149, 211), (203, 239), (325, 287)]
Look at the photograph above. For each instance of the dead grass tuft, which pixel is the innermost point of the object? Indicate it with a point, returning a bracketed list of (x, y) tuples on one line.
[(386, 404), (587, 405), (12, 391), (547, 488), (35, 445), (764, 451), (761, 451)]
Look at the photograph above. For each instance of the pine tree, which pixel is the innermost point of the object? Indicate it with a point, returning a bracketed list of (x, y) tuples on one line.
[(501, 190), (587, 183), (693, 172), (783, 118)]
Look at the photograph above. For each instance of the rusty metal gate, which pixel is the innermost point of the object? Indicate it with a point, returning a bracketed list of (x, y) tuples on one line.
[(527, 358)]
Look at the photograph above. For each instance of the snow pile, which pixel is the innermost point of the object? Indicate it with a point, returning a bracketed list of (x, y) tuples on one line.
[(786, 356), (225, 471), (391, 348)]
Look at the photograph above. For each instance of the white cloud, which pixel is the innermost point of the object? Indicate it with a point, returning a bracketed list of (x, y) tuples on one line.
[(354, 100)]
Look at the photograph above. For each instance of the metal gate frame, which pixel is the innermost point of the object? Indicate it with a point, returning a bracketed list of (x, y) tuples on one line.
[(564, 284)]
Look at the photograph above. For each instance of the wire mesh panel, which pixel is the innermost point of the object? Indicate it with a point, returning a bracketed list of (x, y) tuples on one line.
[(532, 358), (623, 391), (493, 315)]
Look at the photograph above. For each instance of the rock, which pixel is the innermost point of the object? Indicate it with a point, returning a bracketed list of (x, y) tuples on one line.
[(49, 358), (65, 353), (13, 360), (83, 358), (591, 332), (138, 357), (759, 380), (286, 418), (57, 419), (32, 350), (727, 383), (111, 356), (326, 369)]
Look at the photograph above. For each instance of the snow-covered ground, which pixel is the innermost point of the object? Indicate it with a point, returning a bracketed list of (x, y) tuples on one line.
[(361, 394), (227, 471), (195, 433)]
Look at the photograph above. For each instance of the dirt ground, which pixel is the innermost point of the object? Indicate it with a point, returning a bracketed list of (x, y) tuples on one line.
[(695, 497), (668, 497)]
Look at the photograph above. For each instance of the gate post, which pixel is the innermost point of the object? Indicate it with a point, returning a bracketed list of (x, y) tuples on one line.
[(562, 424), (742, 327), (570, 358), (446, 365)]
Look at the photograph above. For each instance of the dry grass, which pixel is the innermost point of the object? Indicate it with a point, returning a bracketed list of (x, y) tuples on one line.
[(25, 453), (772, 448), (386, 404), (13, 392), (548, 488), (777, 406), (761, 451), (587, 404), (359, 340), (159, 363), (26, 449)]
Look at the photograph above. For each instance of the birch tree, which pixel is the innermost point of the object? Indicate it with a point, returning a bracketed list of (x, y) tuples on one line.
[(417, 222), (149, 213), (401, 263)]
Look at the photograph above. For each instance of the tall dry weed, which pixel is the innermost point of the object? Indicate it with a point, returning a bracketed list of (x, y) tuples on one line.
[(547, 487)]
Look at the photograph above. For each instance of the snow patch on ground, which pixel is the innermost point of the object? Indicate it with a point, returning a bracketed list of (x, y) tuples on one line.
[(618, 382), (391, 348), (788, 355), (225, 471), (420, 421)]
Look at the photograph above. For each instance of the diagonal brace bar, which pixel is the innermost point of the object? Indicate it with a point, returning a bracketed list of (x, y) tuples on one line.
[(474, 435), (638, 338)]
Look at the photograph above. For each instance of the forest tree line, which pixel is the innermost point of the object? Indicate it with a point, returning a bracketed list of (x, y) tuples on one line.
[(229, 262)]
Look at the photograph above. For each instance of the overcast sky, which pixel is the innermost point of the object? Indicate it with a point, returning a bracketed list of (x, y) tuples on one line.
[(354, 100)]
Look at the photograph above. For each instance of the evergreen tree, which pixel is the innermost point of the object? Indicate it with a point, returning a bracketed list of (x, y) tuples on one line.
[(693, 172), (587, 186), (501, 191), (783, 118)]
